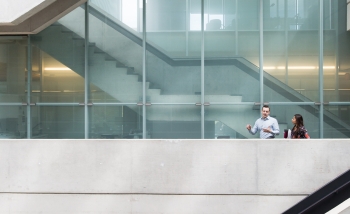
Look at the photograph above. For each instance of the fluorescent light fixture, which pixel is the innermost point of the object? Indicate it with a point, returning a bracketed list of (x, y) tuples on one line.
[(302, 67), (297, 67), (328, 67), (57, 69)]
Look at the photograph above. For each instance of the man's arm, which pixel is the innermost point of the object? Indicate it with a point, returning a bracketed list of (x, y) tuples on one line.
[(275, 128), (254, 129)]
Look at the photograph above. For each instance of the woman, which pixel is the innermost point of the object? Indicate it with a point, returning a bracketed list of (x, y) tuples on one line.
[(299, 130)]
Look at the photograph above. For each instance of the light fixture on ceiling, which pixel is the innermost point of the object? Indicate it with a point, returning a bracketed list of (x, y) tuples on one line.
[(57, 69), (297, 67)]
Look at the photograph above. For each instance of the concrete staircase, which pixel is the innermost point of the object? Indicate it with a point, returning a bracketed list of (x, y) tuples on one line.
[(122, 83), (116, 65)]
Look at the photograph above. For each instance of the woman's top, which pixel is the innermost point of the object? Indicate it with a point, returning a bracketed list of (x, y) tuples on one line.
[(300, 133)]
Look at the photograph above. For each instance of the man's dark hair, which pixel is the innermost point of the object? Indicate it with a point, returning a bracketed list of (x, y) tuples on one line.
[(265, 106)]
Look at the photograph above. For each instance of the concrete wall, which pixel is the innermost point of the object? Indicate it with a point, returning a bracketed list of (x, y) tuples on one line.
[(165, 176)]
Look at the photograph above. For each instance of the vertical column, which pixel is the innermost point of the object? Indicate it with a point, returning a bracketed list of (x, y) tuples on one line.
[(348, 15), (286, 39), (321, 68), (144, 71), (236, 26), (202, 70), (337, 63), (261, 53), (29, 88), (187, 24), (86, 72)]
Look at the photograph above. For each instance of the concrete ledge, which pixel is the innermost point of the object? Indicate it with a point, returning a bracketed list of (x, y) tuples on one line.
[(165, 204), (188, 176), (171, 166)]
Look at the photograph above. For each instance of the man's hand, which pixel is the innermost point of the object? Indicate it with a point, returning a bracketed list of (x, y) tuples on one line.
[(268, 129), (249, 127)]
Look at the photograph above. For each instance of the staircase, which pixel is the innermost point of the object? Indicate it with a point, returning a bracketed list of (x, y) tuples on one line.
[(115, 65)]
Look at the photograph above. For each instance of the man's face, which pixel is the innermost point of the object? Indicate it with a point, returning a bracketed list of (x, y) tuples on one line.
[(265, 112)]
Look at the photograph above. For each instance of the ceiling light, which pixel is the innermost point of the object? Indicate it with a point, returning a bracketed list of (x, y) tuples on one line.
[(57, 69)]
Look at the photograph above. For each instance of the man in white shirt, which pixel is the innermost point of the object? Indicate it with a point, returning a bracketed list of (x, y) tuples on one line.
[(266, 125)]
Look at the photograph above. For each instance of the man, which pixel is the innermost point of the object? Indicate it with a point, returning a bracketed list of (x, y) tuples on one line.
[(268, 126)]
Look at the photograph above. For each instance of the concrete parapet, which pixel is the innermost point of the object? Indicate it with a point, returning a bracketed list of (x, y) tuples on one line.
[(168, 176)]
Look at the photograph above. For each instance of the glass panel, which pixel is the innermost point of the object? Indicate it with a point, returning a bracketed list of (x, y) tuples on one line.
[(13, 64), (336, 64), (229, 78), (248, 15), (127, 11), (284, 115), (167, 26), (115, 61), (169, 79), (330, 69), (115, 122), (13, 122), (274, 14), (291, 56), (55, 82), (53, 122), (231, 83), (229, 121), (336, 122), (175, 122), (58, 60), (218, 43)]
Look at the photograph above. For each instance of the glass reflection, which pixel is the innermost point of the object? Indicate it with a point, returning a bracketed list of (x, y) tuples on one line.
[(175, 122), (229, 121), (13, 122), (336, 121), (13, 65), (112, 122), (54, 122)]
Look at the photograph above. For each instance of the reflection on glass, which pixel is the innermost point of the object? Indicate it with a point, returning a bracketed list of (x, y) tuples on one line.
[(230, 120), (12, 69), (128, 12), (58, 52), (228, 83), (175, 122), (55, 82), (115, 66), (291, 56), (171, 78), (13, 122), (115, 122), (58, 122), (341, 127)]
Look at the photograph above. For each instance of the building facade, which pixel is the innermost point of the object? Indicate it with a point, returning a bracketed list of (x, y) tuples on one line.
[(190, 69)]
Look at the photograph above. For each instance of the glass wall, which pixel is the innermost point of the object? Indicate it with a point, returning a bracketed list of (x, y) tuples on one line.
[(58, 79), (189, 70), (13, 77)]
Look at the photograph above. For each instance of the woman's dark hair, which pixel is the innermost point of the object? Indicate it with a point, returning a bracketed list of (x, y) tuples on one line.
[(299, 120)]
